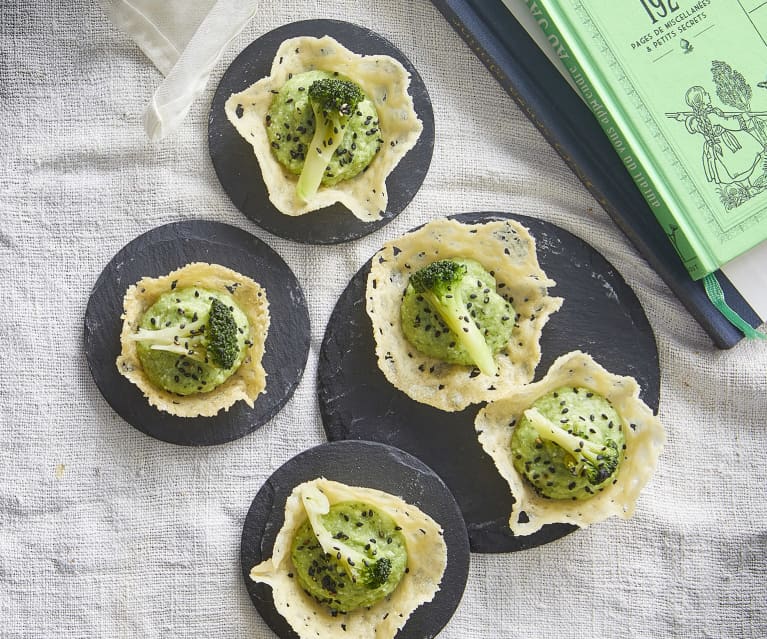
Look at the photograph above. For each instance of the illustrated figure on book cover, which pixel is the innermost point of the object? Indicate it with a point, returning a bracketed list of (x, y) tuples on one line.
[(735, 142)]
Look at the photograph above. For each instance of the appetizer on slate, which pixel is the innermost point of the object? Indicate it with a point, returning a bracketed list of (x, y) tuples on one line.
[(352, 561), (575, 447), (327, 125), (458, 310), (193, 340)]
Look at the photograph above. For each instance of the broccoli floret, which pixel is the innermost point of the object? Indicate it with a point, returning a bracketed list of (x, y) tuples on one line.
[(361, 568), (222, 335), (333, 102), (212, 339), (596, 462), (378, 573), (438, 283)]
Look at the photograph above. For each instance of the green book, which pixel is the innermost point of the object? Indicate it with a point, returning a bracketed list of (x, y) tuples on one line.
[(680, 88)]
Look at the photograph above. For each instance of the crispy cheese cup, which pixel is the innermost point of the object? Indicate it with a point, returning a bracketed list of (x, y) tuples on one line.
[(386, 83), (507, 251), (643, 431), (246, 383)]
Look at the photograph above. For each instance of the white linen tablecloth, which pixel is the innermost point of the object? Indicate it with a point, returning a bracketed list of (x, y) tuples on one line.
[(105, 532)]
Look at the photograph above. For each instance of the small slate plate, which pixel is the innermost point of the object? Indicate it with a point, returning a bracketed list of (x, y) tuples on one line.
[(600, 315), (237, 167), (159, 252), (371, 465)]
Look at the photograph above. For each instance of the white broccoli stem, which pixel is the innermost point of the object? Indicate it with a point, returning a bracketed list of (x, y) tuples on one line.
[(195, 351), (466, 332), (549, 431), (174, 339), (316, 504), (168, 335), (318, 155), (572, 444)]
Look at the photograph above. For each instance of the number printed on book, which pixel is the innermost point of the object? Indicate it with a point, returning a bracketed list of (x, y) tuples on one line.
[(659, 8)]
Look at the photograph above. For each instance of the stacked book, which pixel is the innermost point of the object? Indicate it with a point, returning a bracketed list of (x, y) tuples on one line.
[(660, 107)]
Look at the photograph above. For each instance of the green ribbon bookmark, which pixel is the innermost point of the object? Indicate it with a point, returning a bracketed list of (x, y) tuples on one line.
[(716, 295)]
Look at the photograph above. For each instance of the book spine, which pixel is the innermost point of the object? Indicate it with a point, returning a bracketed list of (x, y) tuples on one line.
[(690, 250)]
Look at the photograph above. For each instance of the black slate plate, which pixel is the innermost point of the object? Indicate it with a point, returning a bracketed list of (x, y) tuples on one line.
[(237, 167), (160, 251), (371, 465), (600, 315)]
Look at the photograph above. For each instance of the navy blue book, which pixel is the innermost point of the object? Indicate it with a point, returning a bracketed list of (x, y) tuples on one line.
[(528, 76)]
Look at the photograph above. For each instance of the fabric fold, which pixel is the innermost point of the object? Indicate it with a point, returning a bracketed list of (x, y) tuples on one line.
[(184, 40)]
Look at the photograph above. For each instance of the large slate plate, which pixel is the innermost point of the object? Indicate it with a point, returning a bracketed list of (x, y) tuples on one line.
[(600, 315), (237, 167), (371, 465), (160, 251)]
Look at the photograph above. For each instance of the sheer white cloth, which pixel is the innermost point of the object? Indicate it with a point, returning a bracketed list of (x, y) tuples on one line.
[(184, 39)]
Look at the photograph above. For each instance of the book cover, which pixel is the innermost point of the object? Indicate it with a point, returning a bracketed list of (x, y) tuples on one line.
[(524, 71), (679, 88)]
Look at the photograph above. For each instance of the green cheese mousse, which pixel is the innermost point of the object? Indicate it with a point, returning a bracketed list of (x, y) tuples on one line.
[(290, 125), (369, 561), (570, 445), (191, 340), (472, 297)]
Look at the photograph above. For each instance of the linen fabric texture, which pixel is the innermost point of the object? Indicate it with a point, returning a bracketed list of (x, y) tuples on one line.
[(105, 532)]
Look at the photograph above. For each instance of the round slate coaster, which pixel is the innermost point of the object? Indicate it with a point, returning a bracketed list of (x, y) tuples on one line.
[(237, 167), (600, 315), (159, 252), (370, 465)]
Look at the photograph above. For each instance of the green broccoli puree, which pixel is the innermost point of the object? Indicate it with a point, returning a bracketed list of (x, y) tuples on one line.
[(557, 473), (366, 530), (290, 128), (426, 331), (176, 372)]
